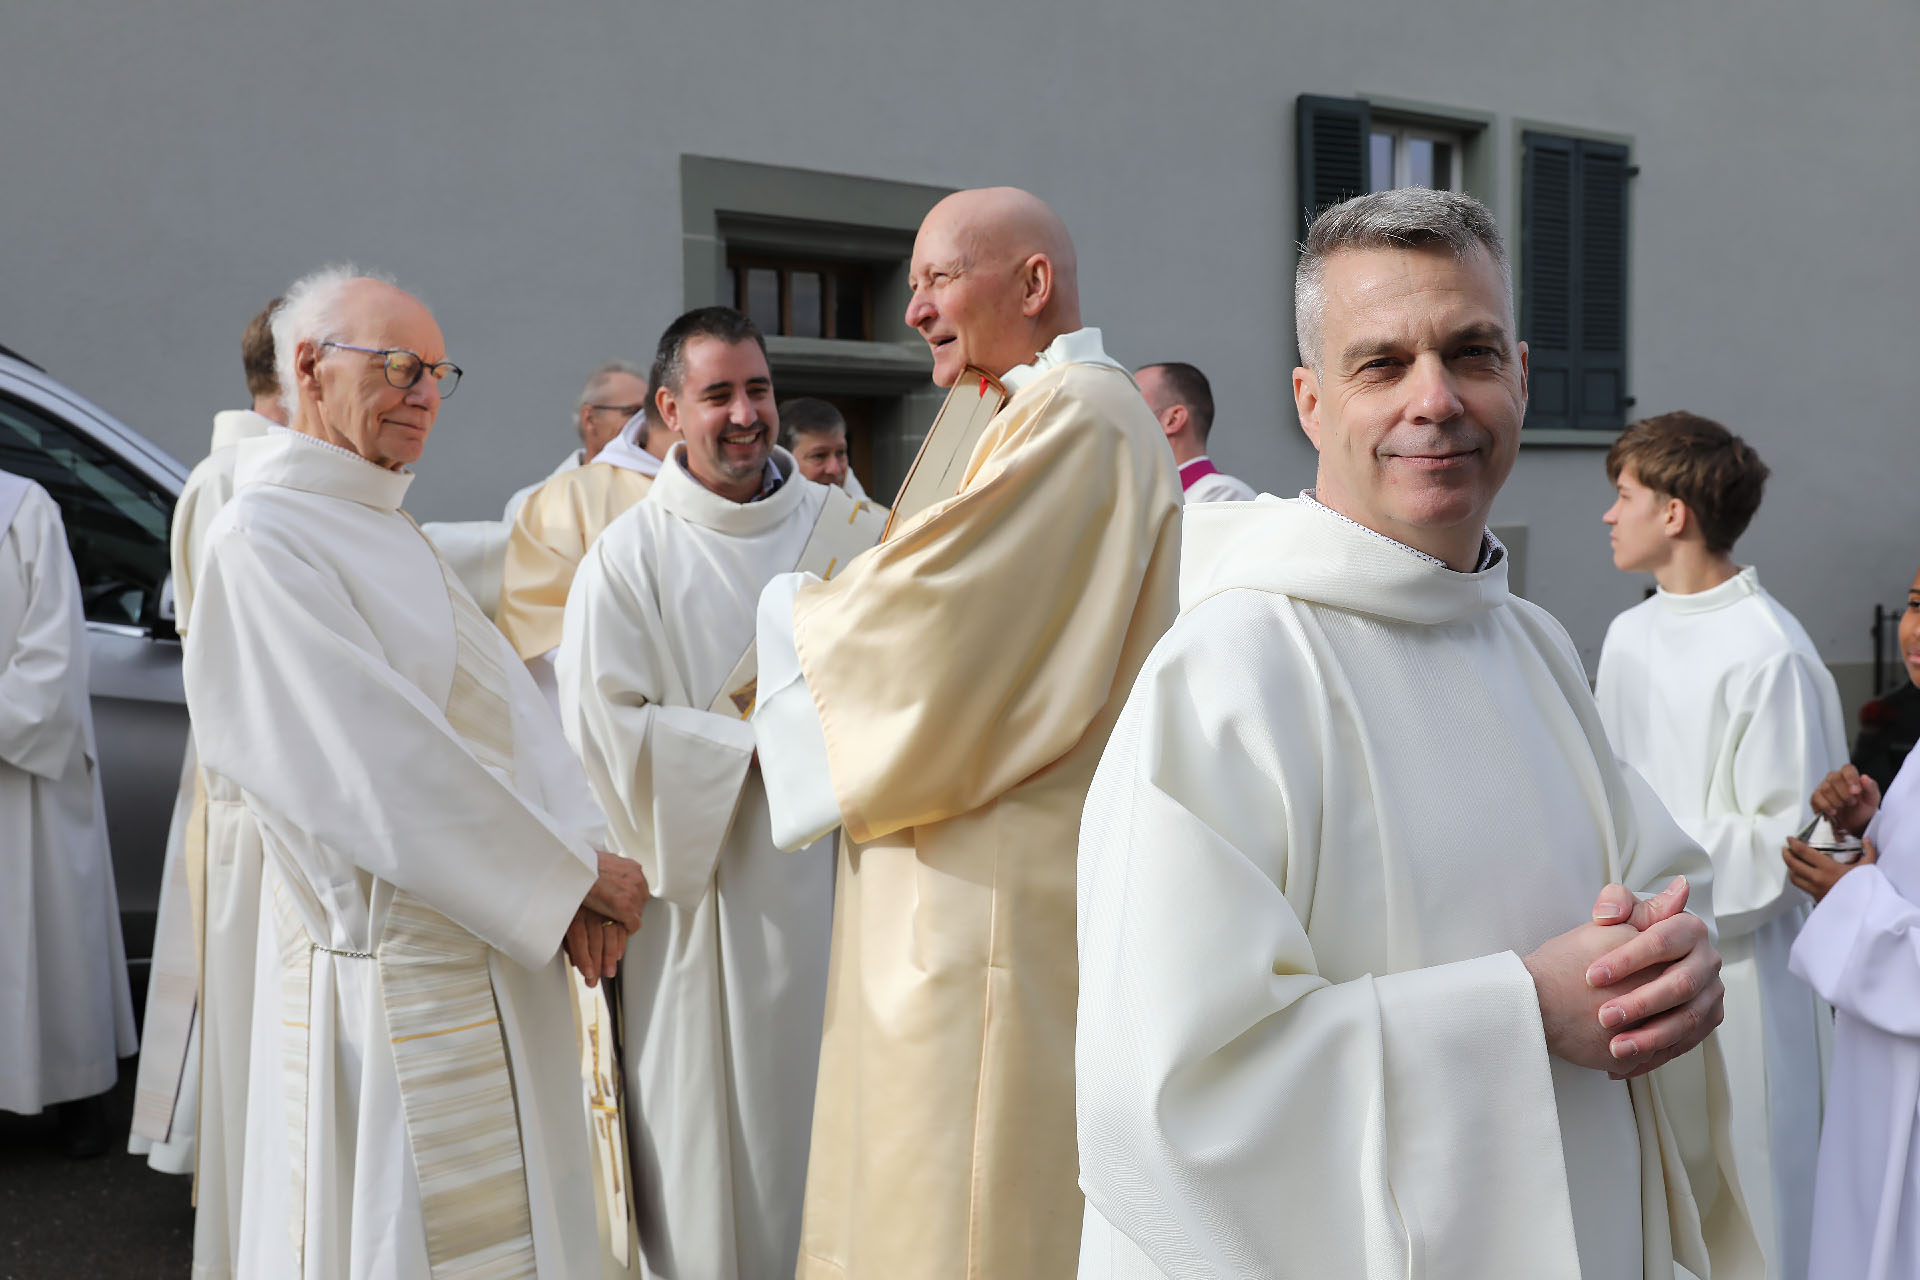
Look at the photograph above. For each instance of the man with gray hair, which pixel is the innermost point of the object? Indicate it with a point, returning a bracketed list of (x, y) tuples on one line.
[(427, 843), (1369, 988)]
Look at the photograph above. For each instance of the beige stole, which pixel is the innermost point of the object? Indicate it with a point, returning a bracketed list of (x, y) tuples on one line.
[(846, 526), (942, 461), (449, 1049)]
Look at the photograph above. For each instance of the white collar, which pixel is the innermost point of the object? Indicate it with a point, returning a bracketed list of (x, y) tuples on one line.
[(1082, 346), (624, 449)]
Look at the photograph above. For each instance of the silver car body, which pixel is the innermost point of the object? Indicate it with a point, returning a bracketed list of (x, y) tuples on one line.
[(116, 492)]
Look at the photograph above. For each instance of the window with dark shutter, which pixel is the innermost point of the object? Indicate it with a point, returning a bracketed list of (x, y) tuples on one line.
[(1573, 281), (1331, 152)]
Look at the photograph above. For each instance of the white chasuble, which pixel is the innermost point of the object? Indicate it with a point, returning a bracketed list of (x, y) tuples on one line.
[(1720, 701), (961, 679), (1860, 949), (722, 988), (66, 1017), (330, 661), (1350, 790), (168, 1113)]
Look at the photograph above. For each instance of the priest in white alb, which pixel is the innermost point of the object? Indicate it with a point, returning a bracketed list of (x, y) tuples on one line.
[(202, 901), (66, 1017), (414, 1105), (1716, 695), (559, 520), (1860, 949), (944, 699), (722, 989), (1345, 1010)]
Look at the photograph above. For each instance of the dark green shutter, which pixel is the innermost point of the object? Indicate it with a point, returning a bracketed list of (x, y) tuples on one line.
[(1573, 281), (1331, 152)]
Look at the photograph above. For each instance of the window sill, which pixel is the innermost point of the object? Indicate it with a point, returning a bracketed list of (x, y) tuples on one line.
[(1568, 438)]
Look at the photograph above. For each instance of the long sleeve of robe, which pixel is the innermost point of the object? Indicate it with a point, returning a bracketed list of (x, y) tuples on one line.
[(724, 986), (1719, 699), (322, 657), (965, 673), (1860, 949), (66, 1016), (1350, 790)]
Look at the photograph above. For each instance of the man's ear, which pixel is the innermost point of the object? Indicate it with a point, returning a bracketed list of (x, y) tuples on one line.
[(669, 409), (1036, 284), (1306, 402), (306, 368), (1675, 519), (1176, 421), (1523, 379)]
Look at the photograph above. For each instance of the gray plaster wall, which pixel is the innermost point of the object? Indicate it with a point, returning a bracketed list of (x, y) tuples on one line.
[(164, 170)]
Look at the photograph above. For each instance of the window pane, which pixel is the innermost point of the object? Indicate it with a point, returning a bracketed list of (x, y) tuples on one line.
[(763, 298), (1380, 162), (850, 306), (807, 322), (116, 521), (1443, 166), (1419, 162)]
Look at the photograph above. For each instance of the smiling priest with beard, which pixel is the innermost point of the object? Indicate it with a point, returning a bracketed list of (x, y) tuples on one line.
[(1347, 1008)]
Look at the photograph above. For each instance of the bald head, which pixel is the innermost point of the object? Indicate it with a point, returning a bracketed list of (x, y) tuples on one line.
[(994, 281)]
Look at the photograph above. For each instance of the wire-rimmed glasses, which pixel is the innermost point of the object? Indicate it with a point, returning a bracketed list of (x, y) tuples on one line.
[(404, 368)]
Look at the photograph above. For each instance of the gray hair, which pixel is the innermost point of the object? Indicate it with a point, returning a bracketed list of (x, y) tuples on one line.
[(310, 311), (598, 379), (1404, 218)]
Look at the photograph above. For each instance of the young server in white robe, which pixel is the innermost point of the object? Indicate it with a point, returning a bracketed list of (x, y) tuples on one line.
[(1716, 695), (1860, 949), (66, 1016), (426, 840), (723, 988), (1343, 1012), (167, 1111)]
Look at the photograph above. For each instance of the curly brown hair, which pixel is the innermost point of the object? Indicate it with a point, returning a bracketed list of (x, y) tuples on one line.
[(1683, 455)]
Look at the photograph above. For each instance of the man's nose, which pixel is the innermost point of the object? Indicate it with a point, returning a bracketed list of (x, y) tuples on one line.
[(919, 310), (742, 412), (1433, 397), (424, 394)]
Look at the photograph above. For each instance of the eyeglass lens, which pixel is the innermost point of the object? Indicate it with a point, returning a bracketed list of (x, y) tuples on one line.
[(404, 369)]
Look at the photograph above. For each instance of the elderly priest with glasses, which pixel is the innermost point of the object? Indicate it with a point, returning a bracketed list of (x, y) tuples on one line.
[(415, 1104)]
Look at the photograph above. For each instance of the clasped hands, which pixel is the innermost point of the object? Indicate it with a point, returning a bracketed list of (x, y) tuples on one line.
[(1634, 989), (608, 916)]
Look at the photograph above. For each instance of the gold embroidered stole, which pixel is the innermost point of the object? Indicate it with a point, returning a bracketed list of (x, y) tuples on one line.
[(845, 527), (942, 461), (448, 1045)]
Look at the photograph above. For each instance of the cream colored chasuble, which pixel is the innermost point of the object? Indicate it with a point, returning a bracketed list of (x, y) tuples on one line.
[(960, 680), (426, 840), (1721, 702), (1349, 791), (723, 986), (553, 530)]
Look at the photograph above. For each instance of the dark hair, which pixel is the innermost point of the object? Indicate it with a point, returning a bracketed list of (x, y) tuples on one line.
[(1191, 388), (805, 416), (1700, 462), (670, 359), (256, 353)]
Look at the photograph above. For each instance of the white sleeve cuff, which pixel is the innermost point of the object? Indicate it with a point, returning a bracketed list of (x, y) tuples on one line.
[(786, 726)]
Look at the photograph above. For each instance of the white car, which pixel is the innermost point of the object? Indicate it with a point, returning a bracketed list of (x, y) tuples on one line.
[(116, 493)]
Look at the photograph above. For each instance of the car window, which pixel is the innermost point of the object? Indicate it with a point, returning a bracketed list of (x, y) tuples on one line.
[(116, 519)]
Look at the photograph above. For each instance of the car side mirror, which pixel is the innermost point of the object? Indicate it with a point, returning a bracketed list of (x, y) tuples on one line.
[(164, 623)]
